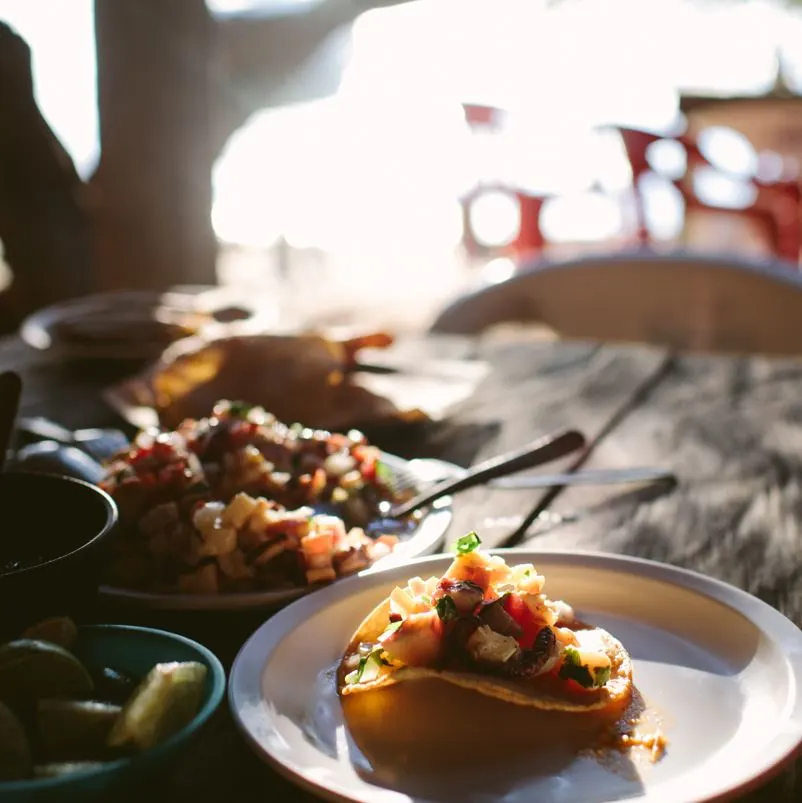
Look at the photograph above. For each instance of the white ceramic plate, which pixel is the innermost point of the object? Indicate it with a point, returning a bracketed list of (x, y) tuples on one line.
[(722, 668), (424, 540)]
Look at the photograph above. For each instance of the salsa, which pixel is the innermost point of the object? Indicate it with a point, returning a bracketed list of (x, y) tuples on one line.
[(239, 501)]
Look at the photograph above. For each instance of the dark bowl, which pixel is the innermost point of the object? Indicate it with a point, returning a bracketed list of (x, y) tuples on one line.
[(50, 539)]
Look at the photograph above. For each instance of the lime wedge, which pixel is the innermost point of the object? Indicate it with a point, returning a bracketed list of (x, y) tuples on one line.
[(33, 670), (74, 730), (15, 750), (58, 630), (164, 702)]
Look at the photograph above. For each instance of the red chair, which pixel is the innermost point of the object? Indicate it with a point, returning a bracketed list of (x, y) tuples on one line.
[(528, 242), (478, 116), (776, 207), (765, 219), (636, 145), (784, 200)]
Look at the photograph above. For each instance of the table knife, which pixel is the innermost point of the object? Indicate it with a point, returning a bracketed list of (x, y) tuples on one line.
[(604, 476)]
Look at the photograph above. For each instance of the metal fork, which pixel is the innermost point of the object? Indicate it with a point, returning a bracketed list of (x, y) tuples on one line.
[(533, 454)]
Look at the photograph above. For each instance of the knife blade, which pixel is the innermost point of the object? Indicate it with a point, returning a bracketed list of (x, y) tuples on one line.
[(604, 476)]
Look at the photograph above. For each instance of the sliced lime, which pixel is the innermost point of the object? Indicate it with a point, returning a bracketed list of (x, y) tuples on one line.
[(75, 730), (33, 670), (59, 630), (15, 749), (164, 702)]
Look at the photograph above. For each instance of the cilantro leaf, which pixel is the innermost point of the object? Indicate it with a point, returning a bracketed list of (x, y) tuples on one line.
[(384, 474), (573, 669), (446, 609), (392, 627), (239, 409), (467, 544), (368, 664)]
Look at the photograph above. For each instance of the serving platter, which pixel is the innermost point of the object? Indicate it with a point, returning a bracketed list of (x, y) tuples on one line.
[(720, 671), (425, 539)]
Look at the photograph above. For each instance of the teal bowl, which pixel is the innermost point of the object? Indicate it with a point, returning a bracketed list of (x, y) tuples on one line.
[(135, 650)]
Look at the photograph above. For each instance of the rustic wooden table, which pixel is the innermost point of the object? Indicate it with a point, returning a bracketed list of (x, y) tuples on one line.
[(731, 429)]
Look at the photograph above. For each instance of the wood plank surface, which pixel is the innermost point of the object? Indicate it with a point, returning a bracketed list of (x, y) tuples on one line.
[(536, 388), (732, 432)]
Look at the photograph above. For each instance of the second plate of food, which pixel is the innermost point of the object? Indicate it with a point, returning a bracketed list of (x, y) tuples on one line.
[(568, 677), (239, 511)]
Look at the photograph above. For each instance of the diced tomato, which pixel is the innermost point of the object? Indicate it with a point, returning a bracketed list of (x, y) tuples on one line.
[(148, 479), (572, 687), (241, 433), (319, 480), (337, 441), (520, 612), (171, 473), (567, 685), (131, 482), (367, 457), (140, 456), (197, 445), (163, 450)]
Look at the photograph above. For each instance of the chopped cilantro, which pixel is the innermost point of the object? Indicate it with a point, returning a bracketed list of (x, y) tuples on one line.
[(240, 409), (602, 675), (425, 598), (392, 627), (467, 544), (368, 665), (384, 474), (574, 669), (528, 573), (446, 609)]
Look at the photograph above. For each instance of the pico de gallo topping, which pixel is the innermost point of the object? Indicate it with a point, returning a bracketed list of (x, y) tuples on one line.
[(484, 616), (227, 503)]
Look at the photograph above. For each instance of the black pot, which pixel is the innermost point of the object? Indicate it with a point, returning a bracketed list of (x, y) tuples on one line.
[(52, 529)]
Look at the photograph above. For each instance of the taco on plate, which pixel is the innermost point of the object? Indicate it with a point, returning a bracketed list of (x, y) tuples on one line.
[(488, 627)]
